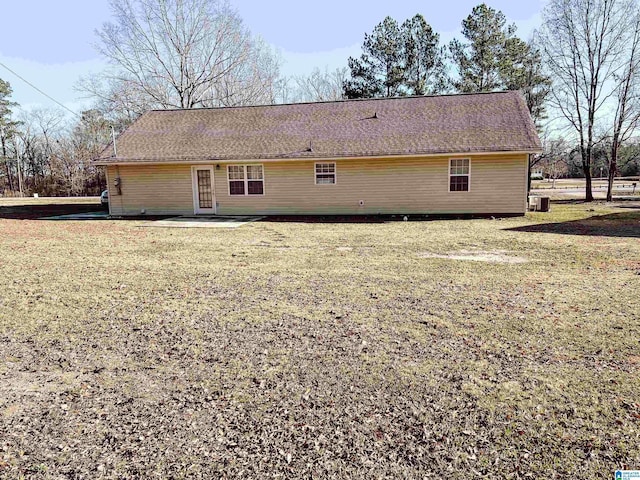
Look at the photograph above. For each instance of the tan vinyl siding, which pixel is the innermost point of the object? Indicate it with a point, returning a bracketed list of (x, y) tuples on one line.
[(497, 185), (386, 186), (158, 189)]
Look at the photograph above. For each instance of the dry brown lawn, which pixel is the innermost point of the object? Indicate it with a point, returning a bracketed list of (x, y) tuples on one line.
[(322, 350)]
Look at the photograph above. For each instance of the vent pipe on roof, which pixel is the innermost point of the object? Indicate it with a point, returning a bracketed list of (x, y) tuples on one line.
[(375, 115), (310, 149)]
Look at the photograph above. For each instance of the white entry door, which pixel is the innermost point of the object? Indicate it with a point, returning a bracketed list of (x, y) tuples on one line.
[(204, 199)]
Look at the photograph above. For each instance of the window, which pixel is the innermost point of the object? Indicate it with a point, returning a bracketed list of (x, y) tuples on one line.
[(325, 173), (459, 169), (245, 179)]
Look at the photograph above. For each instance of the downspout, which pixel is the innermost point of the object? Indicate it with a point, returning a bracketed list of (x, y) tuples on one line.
[(529, 173), (113, 138), (527, 182), (106, 176), (119, 190)]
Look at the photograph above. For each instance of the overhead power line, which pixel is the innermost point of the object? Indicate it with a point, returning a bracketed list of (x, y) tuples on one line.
[(40, 91)]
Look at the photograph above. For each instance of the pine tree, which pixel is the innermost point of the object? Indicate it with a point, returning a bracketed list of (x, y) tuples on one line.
[(5, 103), (494, 58), (398, 60), (379, 70), (7, 127), (479, 61), (521, 69), (424, 67)]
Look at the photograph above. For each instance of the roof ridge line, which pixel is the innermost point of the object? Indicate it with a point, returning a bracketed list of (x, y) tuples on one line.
[(344, 100)]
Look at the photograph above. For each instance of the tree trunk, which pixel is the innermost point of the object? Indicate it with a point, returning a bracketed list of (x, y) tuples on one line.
[(6, 163), (588, 193), (613, 167), (586, 168), (9, 182)]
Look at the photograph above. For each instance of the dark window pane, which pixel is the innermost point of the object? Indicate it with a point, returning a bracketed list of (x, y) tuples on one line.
[(205, 196), (236, 187), (325, 178), (256, 187), (459, 183)]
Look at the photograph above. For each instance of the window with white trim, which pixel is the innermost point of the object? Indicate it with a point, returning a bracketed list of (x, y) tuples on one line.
[(459, 174), (245, 179), (325, 173)]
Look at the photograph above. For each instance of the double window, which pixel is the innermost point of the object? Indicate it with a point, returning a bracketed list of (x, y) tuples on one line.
[(459, 173), (325, 173), (245, 179)]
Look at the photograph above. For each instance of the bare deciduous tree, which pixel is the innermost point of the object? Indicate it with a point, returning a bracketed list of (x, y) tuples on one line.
[(583, 44), (72, 169), (55, 156), (120, 100), (41, 129), (253, 82), (321, 86), (555, 157), (184, 54), (627, 94)]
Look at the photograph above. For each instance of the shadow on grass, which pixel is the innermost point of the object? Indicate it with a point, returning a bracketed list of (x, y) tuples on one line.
[(33, 212), (626, 224)]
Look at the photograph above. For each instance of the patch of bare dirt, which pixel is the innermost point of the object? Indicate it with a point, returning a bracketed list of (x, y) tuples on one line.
[(491, 256)]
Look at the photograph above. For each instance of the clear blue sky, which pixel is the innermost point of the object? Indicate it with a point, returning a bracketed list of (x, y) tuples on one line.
[(50, 42)]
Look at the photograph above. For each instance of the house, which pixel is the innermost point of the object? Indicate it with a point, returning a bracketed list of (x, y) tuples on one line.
[(449, 154)]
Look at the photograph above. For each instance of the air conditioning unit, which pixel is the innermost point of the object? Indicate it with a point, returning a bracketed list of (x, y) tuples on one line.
[(539, 204)]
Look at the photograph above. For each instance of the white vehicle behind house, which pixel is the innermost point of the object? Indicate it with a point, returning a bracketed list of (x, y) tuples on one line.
[(104, 199)]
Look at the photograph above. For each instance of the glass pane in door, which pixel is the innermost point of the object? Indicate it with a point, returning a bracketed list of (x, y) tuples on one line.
[(205, 194)]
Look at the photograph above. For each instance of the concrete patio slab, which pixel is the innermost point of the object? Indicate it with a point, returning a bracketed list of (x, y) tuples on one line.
[(201, 222)]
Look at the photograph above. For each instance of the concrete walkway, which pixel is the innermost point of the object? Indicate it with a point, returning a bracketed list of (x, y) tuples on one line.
[(201, 222)]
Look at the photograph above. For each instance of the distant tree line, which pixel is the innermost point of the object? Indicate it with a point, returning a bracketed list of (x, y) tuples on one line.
[(579, 74), (562, 159), (40, 152)]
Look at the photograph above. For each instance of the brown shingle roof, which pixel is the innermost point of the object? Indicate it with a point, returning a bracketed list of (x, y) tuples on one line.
[(488, 122)]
